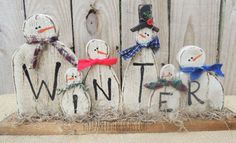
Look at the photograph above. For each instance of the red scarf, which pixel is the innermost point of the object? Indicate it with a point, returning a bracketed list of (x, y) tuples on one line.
[(84, 63)]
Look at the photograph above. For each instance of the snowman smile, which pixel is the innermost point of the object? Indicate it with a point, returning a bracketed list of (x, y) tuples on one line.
[(101, 52), (197, 57), (45, 29)]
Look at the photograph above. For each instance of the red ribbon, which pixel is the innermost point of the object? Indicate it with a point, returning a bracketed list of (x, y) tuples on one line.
[(84, 63)]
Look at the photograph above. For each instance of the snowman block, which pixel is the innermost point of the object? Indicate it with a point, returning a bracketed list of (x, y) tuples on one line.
[(37, 66), (142, 66), (205, 91), (166, 92), (75, 101), (103, 84)]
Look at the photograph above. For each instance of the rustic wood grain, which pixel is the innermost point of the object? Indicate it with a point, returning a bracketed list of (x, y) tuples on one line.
[(194, 22), (129, 19), (11, 37), (59, 10), (227, 48), (96, 20), (10, 127)]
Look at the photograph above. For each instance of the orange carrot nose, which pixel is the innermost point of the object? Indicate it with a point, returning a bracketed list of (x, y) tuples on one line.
[(45, 29), (197, 57), (143, 36), (101, 52), (72, 78)]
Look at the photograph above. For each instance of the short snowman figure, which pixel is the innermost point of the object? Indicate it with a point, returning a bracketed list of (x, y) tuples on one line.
[(75, 101), (205, 91), (142, 66), (37, 66), (101, 79), (166, 91)]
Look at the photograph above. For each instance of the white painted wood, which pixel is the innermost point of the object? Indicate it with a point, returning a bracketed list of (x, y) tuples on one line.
[(75, 101), (98, 49), (194, 22), (129, 18), (97, 19), (59, 10), (167, 72), (27, 104), (210, 90), (11, 37), (227, 47), (132, 79)]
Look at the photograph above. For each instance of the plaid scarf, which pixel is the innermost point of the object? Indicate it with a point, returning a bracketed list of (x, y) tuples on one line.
[(130, 52), (196, 72), (175, 83), (55, 43)]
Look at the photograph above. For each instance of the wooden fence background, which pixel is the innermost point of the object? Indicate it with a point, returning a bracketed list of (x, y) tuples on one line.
[(210, 24)]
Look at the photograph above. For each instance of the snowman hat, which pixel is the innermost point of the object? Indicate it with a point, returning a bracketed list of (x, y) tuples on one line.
[(145, 18)]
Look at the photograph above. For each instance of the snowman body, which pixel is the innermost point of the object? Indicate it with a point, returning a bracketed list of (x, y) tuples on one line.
[(102, 82), (36, 88), (166, 98), (75, 101), (204, 93), (142, 68)]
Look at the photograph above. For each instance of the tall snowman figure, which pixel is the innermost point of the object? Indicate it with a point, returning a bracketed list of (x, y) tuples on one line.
[(142, 66), (166, 92), (101, 79), (204, 89), (37, 66), (75, 101)]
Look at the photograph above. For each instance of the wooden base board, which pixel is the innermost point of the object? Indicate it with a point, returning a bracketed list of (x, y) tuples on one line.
[(10, 127)]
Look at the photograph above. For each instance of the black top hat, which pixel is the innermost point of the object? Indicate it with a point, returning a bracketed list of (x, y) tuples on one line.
[(145, 18)]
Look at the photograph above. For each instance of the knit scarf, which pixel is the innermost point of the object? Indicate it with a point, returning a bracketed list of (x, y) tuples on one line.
[(71, 86), (55, 43), (175, 83)]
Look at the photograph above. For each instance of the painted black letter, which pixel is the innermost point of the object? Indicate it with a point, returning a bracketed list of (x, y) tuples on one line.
[(95, 85), (193, 93), (164, 101), (52, 96), (75, 100), (142, 74)]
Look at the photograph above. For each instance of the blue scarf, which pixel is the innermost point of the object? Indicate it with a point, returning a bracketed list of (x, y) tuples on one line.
[(196, 72), (130, 52)]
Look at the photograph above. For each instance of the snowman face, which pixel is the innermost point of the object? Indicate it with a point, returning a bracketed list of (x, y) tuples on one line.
[(168, 72), (73, 76), (97, 49), (39, 26), (144, 36), (191, 56)]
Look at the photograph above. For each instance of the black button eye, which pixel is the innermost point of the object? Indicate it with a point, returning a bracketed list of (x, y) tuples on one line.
[(36, 28), (39, 27), (191, 57), (189, 60), (147, 34), (95, 49)]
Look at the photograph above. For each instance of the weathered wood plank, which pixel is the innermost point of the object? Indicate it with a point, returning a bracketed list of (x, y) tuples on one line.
[(59, 10), (96, 20), (227, 48), (129, 19), (10, 127), (194, 22), (11, 37)]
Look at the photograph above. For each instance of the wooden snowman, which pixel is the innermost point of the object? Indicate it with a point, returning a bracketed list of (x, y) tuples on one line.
[(75, 101), (204, 89), (37, 66), (142, 66), (101, 79), (166, 92)]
